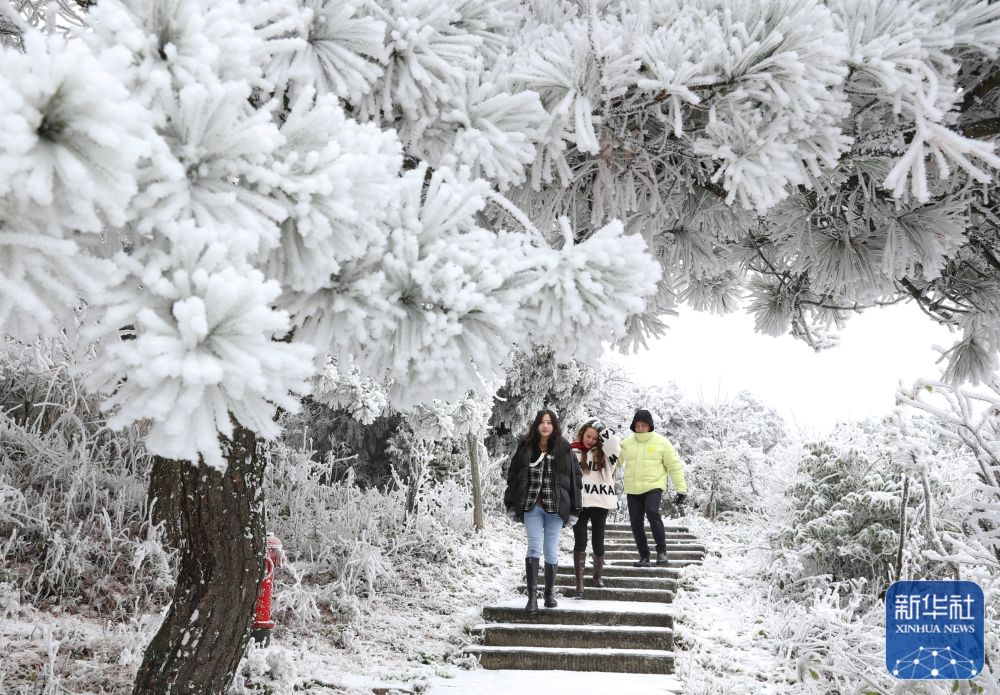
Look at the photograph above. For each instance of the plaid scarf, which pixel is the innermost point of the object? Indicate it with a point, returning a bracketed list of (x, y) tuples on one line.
[(542, 484)]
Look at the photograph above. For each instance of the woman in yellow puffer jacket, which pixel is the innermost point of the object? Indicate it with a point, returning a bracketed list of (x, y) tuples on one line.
[(648, 459)]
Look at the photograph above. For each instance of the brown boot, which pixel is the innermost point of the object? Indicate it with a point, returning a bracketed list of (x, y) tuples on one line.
[(579, 560), (598, 568)]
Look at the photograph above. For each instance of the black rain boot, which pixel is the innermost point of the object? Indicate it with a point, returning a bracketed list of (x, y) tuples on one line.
[(661, 557), (531, 579), (579, 560), (550, 582), (598, 568), (643, 562)]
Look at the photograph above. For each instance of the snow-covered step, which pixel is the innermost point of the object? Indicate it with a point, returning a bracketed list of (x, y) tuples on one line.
[(566, 567), (568, 579), (482, 682), (672, 555), (653, 572), (585, 612), (627, 535), (669, 528), (671, 548), (610, 594), (671, 562), (629, 544), (627, 570), (567, 659), (630, 548), (576, 636)]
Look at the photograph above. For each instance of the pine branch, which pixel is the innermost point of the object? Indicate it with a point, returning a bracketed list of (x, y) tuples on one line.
[(924, 302), (783, 276), (715, 189), (987, 85), (799, 322), (598, 60), (881, 133), (664, 95), (984, 128), (12, 26), (892, 302), (986, 252), (833, 307)]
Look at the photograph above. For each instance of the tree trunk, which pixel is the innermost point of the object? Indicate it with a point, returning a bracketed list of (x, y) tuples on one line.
[(216, 521), (418, 466), (477, 484), (929, 521), (902, 527)]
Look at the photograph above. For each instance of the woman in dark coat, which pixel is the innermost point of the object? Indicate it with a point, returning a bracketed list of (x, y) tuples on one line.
[(543, 492)]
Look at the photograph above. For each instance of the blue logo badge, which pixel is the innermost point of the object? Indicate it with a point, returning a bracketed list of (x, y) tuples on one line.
[(934, 630)]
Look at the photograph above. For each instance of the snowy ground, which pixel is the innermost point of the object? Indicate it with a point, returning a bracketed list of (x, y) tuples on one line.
[(412, 640), (724, 618), (506, 682)]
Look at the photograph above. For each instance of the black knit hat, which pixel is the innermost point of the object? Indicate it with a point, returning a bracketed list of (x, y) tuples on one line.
[(642, 416)]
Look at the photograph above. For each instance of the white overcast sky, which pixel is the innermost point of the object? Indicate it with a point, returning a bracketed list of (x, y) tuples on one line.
[(713, 358)]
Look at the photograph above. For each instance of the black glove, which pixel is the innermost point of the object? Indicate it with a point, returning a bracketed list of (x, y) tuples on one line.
[(679, 499)]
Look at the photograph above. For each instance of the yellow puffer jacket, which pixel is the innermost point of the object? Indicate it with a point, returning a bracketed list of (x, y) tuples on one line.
[(648, 458)]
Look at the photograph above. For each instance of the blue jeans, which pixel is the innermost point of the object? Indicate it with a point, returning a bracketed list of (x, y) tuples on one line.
[(543, 530)]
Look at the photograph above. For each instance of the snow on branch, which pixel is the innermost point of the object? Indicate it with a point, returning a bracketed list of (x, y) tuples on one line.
[(189, 341)]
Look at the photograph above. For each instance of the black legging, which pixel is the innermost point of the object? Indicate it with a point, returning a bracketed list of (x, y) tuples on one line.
[(647, 504), (597, 517)]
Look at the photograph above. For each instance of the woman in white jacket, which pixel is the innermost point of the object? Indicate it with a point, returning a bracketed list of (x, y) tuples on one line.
[(596, 448)]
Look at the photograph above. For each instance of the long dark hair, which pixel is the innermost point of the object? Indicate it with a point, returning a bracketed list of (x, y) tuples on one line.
[(532, 438)]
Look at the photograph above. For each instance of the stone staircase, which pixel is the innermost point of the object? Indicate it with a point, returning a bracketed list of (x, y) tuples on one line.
[(626, 626)]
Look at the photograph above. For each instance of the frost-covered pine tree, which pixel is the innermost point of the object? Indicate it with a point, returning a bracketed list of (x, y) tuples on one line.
[(189, 184), (825, 157), (819, 158)]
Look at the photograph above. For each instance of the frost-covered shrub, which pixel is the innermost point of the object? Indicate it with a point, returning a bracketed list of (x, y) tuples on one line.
[(336, 436), (846, 515), (837, 549), (72, 494), (725, 478), (346, 543), (493, 480), (836, 640), (970, 419)]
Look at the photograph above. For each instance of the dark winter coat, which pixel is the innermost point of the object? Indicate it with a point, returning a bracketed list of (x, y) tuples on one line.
[(570, 481)]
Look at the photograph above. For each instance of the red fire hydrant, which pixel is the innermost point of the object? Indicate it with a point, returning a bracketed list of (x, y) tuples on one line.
[(262, 623)]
